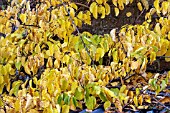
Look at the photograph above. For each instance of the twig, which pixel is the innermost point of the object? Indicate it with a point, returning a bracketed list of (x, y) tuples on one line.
[(82, 5), (78, 33), (139, 15), (161, 104)]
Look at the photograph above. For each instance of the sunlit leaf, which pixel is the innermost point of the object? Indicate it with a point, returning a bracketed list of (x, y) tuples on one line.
[(107, 8), (128, 14), (107, 104), (116, 11), (145, 4), (139, 6), (23, 18), (94, 10)]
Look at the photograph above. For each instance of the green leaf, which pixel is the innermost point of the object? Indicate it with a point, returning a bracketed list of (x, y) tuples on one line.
[(18, 65), (91, 103), (102, 96), (66, 99), (115, 91), (60, 98), (78, 95), (163, 85), (96, 89), (75, 102)]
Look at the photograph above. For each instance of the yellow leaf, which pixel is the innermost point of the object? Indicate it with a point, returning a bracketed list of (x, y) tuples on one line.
[(140, 99), (65, 109), (128, 14), (50, 62), (156, 5), (80, 15), (56, 64), (94, 9), (34, 111), (145, 4), (134, 65), (66, 59), (72, 12), (165, 5), (167, 54), (116, 11), (99, 53), (37, 49), (23, 18), (114, 2), (135, 100), (73, 5), (17, 105), (101, 10), (1, 79), (121, 5), (157, 28), (27, 69), (99, 1), (107, 104), (139, 6), (147, 98), (107, 8), (152, 57)]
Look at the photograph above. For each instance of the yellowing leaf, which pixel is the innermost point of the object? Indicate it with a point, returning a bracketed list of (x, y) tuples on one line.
[(135, 100), (165, 5), (116, 11), (80, 15), (167, 56), (101, 10), (27, 69), (72, 12), (99, 1), (145, 4), (99, 53), (134, 65), (157, 28), (139, 6), (73, 5), (128, 14), (65, 109), (121, 4), (94, 9), (107, 8), (50, 62), (23, 18), (114, 2), (66, 59), (140, 99), (107, 104), (152, 57), (156, 5), (56, 64), (1, 79), (91, 103)]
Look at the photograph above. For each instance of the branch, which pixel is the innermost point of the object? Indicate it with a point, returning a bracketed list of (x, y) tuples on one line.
[(78, 33)]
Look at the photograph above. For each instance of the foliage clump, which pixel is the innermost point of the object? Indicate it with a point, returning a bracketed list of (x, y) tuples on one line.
[(47, 65)]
